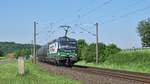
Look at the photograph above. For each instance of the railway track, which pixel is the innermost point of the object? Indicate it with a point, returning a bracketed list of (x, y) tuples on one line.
[(134, 76), (92, 75)]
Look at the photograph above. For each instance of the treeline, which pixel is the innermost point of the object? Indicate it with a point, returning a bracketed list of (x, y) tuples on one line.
[(87, 52), (16, 49)]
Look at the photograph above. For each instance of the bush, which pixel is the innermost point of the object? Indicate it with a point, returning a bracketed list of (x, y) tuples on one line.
[(81, 44), (23, 52), (104, 52), (1, 54), (89, 54)]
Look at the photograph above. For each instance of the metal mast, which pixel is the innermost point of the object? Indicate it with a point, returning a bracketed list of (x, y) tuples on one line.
[(34, 41), (97, 57)]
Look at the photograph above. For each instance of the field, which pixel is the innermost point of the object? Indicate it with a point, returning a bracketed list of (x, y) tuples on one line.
[(33, 75), (137, 61)]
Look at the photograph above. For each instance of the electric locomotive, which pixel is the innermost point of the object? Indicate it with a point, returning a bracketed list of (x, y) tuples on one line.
[(61, 51)]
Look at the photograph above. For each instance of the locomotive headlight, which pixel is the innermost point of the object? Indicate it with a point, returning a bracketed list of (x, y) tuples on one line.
[(58, 53)]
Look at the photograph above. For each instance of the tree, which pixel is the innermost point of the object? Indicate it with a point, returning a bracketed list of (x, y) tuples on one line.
[(23, 52), (1, 53), (144, 32), (110, 50), (9, 47), (90, 54), (113, 49), (81, 44), (104, 51)]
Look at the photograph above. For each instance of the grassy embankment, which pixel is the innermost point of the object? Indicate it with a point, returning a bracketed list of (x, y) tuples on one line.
[(137, 61), (34, 75)]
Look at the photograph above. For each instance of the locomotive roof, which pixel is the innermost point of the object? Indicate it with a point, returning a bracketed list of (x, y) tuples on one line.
[(60, 39)]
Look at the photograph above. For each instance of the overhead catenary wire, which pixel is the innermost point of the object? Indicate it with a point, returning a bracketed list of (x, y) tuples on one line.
[(42, 30), (129, 13), (107, 2), (94, 9), (136, 2), (91, 2), (90, 11), (50, 28), (102, 5), (124, 8), (93, 34)]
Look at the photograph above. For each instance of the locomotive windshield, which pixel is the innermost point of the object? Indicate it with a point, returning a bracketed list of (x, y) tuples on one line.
[(68, 45)]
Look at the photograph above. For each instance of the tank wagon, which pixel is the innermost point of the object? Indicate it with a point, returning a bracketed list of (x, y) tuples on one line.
[(61, 51)]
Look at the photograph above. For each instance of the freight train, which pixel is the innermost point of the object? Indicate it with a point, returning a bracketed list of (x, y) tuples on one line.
[(61, 51)]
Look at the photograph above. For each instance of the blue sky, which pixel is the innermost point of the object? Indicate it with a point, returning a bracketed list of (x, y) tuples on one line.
[(117, 20)]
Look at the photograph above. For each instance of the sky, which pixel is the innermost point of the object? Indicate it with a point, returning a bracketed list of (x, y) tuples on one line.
[(117, 19)]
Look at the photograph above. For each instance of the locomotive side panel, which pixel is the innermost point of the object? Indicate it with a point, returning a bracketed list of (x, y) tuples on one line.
[(53, 48)]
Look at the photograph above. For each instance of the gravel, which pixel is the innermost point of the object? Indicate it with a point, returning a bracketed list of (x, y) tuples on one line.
[(85, 77)]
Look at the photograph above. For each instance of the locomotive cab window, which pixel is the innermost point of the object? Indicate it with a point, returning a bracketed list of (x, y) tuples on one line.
[(68, 45)]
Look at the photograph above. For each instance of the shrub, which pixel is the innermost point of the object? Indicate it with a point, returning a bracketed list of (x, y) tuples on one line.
[(104, 52), (1, 53)]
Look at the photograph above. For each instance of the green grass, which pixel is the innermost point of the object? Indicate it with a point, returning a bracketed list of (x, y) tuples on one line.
[(2, 58), (33, 75), (137, 61)]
